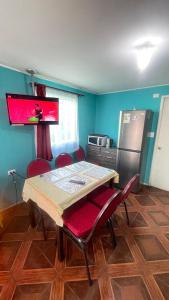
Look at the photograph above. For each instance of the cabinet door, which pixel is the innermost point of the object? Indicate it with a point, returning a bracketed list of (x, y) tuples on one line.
[(109, 157), (110, 165), (103, 156), (109, 154), (93, 154)]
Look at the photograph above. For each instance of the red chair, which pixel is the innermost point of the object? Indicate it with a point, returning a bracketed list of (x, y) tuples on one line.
[(37, 167), (64, 159), (102, 194), (83, 218), (79, 154)]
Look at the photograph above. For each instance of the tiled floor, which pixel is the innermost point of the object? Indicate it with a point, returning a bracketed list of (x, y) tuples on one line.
[(137, 269)]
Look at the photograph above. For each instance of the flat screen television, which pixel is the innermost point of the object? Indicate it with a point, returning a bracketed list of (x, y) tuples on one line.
[(32, 110)]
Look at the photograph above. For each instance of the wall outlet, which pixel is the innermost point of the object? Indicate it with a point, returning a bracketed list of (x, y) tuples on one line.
[(156, 95), (150, 134), (11, 172)]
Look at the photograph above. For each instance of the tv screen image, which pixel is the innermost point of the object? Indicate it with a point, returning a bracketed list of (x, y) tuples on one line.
[(32, 110)]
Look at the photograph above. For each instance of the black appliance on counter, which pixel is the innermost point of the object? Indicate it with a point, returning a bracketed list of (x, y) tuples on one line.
[(133, 144)]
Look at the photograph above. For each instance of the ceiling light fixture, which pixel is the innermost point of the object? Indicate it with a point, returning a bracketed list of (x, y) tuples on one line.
[(144, 49), (31, 72), (144, 53)]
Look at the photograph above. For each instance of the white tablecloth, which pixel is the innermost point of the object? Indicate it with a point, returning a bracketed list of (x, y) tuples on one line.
[(53, 192)]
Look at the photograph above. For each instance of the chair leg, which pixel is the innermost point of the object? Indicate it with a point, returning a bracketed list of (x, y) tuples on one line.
[(31, 213), (87, 267), (112, 233), (61, 255), (113, 219), (127, 216), (107, 224)]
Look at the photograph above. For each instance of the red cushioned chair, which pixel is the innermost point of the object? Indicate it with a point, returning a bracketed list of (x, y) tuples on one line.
[(83, 218), (102, 194), (64, 159), (79, 154), (37, 167)]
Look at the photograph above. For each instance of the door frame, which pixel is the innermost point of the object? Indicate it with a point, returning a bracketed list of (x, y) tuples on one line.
[(157, 136)]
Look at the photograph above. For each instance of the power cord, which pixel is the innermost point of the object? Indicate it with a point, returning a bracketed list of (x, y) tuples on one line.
[(14, 180), (19, 175), (15, 185)]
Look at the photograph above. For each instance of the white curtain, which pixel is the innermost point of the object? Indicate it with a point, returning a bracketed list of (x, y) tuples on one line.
[(65, 136)]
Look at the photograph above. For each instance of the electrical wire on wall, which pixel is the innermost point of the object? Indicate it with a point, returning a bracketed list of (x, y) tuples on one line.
[(14, 180)]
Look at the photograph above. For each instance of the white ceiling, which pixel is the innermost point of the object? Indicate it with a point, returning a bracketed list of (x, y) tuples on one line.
[(88, 43)]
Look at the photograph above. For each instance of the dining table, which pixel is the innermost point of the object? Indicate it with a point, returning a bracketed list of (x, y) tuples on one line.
[(56, 190)]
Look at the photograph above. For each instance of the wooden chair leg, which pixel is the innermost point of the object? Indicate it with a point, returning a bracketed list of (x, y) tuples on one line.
[(87, 266), (112, 233), (61, 255), (31, 213), (127, 216)]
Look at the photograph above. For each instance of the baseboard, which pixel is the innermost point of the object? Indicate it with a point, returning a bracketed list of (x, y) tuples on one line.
[(145, 183)]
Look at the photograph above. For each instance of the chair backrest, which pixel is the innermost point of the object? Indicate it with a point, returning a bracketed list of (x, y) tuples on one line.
[(64, 159), (79, 154), (106, 212), (37, 167), (129, 186)]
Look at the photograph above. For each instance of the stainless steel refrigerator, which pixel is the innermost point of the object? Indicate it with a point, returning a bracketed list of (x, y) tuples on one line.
[(133, 144)]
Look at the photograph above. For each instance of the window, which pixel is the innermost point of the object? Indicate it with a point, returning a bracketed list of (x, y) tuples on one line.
[(65, 136)]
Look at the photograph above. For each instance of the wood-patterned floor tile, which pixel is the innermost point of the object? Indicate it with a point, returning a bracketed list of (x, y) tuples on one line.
[(126, 288), (32, 291), (151, 248), (41, 255), (81, 290), (145, 200), (18, 224), (159, 217), (136, 219), (8, 252), (164, 199), (75, 257), (121, 253), (138, 268), (163, 283)]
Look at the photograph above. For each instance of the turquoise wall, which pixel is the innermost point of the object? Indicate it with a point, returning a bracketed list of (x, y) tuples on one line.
[(98, 114), (17, 143), (108, 107)]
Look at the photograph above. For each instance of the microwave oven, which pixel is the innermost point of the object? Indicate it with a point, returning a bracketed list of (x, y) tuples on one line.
[(97, 140)]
